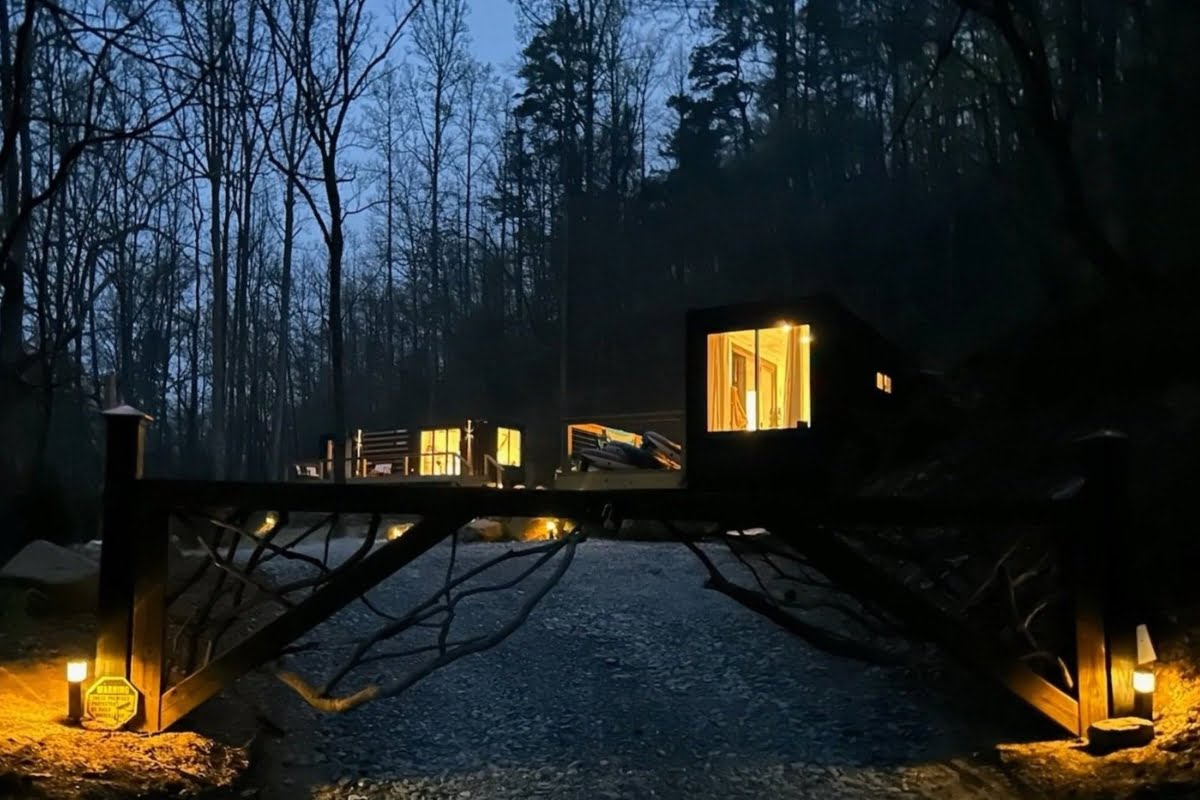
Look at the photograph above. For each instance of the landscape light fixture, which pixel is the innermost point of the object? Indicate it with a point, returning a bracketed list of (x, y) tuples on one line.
[(77, 672), (1143, 676)]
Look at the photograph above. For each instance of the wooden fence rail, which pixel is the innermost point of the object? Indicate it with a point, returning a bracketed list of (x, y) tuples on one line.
[(1092, 519)]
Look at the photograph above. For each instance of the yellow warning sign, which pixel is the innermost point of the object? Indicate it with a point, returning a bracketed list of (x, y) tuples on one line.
[(111, 702)]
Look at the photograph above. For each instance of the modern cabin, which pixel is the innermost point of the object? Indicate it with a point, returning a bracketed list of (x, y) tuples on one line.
[(778, 393), (475, 452)]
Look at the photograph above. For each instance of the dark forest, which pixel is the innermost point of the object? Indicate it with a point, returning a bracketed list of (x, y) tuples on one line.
[(176, 221)]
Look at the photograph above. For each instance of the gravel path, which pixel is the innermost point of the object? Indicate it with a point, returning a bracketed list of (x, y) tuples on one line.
[(630, 680)]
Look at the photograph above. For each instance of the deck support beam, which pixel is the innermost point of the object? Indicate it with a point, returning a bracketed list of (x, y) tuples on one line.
[(843, 565)]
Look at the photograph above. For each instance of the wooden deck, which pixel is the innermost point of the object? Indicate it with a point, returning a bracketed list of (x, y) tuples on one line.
[(1086, 522)]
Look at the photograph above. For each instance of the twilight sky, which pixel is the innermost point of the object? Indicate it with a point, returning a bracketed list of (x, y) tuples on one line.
[(493, 37)]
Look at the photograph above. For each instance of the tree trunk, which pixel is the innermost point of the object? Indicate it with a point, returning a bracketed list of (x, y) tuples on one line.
[(285, 318), (336, 338)]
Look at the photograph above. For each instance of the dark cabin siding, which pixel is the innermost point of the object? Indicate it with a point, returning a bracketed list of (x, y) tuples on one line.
[(847, 408)]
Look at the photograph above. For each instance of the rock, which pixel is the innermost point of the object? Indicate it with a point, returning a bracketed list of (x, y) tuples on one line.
[(532, 529), (1119, 733), (65, 581), (482, 530), (90, 549)]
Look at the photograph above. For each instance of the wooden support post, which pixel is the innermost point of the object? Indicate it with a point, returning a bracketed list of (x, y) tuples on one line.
[(1091, 662), (1105, 459), (125, 430), (147, 656)]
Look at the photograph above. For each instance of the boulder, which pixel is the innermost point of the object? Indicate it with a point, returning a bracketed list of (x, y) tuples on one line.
[(532, 529), (482, 530), (91, 550), (63, 581)]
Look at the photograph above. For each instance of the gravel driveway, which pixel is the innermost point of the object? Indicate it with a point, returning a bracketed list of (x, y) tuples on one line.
[(630, 680)]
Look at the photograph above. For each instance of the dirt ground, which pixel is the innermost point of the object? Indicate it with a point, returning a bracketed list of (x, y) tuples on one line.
[(1168, 767), (42, 756), (228, 750)]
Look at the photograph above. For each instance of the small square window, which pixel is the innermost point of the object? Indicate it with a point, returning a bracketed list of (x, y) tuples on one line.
[(883, 382)]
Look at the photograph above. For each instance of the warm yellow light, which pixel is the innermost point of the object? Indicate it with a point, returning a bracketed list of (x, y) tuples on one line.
[(77, 671), (751, 410), (1143, 680), (787, 326), (552, 527), (396, 531), (266, 525)]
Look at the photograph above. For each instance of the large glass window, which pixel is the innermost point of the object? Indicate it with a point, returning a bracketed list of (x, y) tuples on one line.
[(441, 452), (508, 447), (760, 379)]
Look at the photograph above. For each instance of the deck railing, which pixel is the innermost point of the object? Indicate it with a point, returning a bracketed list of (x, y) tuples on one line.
[(1089, 519)]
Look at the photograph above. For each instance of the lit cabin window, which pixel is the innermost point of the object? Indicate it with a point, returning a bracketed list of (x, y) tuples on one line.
[(883, 382), (760, 379), (441, 452), (508, 447)]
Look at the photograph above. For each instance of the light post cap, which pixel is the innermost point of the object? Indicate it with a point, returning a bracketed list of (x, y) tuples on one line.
[(128, 411), (1102, 433)]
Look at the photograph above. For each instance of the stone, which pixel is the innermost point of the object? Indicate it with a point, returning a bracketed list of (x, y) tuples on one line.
[(65, 581), (482, 530), (1119, 733), (531, 529), (90, 549)]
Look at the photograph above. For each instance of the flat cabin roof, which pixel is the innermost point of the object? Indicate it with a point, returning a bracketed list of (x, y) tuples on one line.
[(821, 311), (442, 425)]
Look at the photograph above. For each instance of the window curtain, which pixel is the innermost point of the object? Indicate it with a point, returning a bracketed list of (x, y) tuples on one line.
[(720, 355), (795, 387)]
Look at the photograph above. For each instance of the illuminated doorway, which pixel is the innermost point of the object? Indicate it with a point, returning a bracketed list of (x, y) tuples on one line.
[(441, 452)]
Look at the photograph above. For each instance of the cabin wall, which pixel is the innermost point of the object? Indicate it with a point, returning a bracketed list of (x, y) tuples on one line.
[(848, 411)]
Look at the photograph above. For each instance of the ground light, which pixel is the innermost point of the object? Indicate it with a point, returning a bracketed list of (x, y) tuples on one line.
[(1143, 676), (1143, 691), (76, 674)]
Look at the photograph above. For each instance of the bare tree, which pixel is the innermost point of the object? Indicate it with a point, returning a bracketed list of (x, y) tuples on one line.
[(325, 49), (207, 27), (391, 126), (439, 40), (100, 39), (288, 149)]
